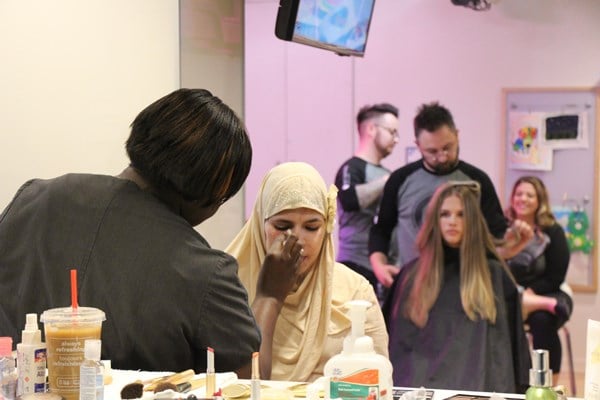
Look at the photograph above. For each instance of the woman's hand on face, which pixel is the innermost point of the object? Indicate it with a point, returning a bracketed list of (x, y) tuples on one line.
[(279, 272)]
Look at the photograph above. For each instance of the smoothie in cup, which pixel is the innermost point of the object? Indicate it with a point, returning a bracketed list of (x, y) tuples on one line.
[(66, 330)]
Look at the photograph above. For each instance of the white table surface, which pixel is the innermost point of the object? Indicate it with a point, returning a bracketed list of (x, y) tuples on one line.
[(120, 378)]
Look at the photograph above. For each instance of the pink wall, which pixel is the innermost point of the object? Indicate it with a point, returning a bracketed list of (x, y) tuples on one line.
[(300, 101)]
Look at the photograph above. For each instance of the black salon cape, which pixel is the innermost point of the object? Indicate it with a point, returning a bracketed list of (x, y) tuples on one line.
[(453, 352)]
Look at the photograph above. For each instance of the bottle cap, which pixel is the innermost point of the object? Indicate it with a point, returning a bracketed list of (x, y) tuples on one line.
[(31, 334), (5, 346), (31, 322), (540, 374), (92, 349)]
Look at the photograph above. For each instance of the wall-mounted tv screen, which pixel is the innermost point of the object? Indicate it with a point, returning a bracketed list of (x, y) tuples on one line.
[(341, 26)]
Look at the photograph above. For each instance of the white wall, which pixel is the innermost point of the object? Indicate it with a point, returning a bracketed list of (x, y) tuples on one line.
[(418, 51), (212, 57), (73, 76)]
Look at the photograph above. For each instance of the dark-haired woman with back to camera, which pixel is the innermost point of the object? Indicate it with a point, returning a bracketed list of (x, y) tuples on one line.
[(454, 315), (132, 239), (540, 268)]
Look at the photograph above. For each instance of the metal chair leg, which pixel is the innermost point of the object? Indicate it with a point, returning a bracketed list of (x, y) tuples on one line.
[(570, 357)]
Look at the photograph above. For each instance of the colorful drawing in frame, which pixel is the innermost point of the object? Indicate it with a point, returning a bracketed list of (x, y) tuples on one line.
[(526, 150)]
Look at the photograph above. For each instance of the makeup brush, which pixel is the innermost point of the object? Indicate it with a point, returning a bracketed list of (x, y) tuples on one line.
[(134, 390), (180, 387), (179, 377)]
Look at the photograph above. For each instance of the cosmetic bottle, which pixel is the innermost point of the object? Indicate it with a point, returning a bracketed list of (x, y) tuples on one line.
[(31, 359), (8, 370), (255, 378), (540, 377), (210, 372), (358, 372), (91, 372)]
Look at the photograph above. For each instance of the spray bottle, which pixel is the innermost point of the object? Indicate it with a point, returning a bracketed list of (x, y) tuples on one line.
[(31, 359), (359, 372), (540, 378)]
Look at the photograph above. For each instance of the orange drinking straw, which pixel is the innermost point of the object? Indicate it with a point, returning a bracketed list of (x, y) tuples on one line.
[(74, 289)]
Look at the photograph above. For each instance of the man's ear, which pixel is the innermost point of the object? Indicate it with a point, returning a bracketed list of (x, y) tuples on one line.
[(372, 128)]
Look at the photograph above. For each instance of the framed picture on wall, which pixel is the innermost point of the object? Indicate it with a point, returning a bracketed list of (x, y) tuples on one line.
[(412, 154), (553, 134)]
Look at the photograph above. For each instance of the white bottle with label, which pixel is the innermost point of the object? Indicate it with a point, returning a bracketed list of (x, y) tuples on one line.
[(91, 379), (359, 372), (31, 359)]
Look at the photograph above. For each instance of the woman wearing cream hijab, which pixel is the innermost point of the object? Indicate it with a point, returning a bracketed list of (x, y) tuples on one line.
[(299, 305)]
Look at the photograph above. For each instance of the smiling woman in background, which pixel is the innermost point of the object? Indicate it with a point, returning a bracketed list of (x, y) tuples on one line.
[(454, 318), (299, 305), (540, 268)]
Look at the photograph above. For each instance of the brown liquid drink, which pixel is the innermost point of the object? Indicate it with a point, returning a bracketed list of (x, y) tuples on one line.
[(66, 330)]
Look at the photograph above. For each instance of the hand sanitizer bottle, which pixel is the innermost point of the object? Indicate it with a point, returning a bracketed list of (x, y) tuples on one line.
[(91, 379), (540, 378), (8, 373), (358, 372), (31, 359)]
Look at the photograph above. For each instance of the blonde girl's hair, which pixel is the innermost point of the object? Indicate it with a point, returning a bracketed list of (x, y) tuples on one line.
[(543, 215), (476, 292)]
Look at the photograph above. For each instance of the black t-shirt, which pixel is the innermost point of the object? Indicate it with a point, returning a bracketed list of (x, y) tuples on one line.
[(166, 294)]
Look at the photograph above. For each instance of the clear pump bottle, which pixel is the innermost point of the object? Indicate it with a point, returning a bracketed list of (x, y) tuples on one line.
[(8, 370), (91, 380), (540, 377)]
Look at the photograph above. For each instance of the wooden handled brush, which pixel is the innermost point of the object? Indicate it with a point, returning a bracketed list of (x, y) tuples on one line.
[(180, 377)]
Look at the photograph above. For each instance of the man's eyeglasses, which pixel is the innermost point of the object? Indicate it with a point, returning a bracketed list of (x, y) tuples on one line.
[(391, 131), (434, 154)]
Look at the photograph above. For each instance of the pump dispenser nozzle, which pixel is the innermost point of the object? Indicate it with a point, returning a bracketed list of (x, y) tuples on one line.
[(357, 341), (540, 378), (358, 316), (31, 334), (540, 374)]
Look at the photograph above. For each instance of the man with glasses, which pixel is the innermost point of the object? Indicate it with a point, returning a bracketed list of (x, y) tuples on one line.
[(409, 189), (360, 181)]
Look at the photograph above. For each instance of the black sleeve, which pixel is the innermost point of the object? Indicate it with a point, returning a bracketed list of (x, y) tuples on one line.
[(394, 295), (237, 336), (557, 257), (381, 231), (490, 204), (350, 174)]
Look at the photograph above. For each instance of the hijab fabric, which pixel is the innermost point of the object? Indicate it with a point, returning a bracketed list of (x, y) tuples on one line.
[(307, 313)]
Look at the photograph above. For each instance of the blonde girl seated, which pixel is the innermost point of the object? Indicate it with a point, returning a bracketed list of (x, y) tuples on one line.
[(454, 315)]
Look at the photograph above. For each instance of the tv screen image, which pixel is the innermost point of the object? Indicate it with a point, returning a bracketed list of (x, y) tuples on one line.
[(341, 26)]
